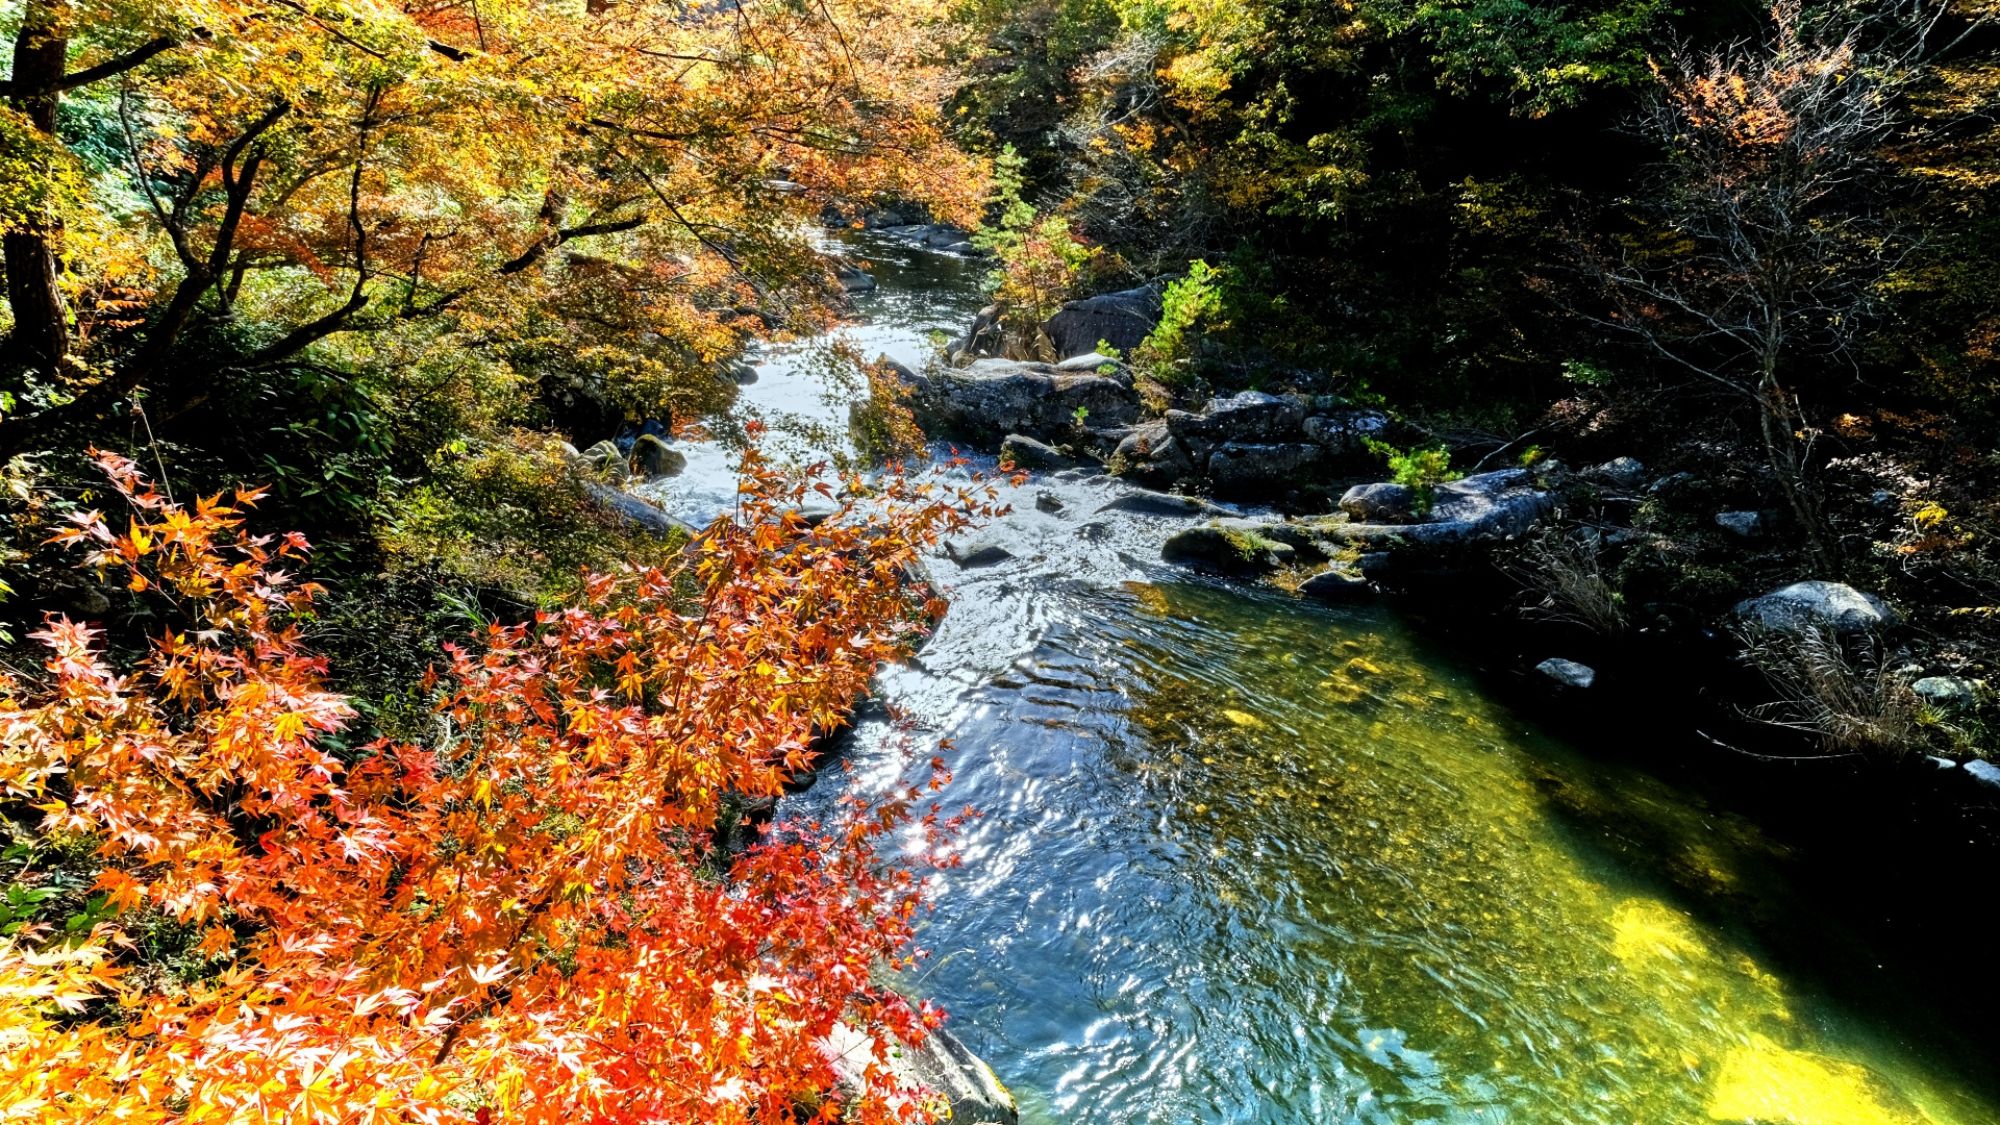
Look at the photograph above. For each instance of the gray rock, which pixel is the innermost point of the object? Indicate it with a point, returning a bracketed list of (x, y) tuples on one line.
[(1483, 508), (853, 278), (1984, 771), (1832, 606), (1747, 525), (1568, 673), (1123, 320), (656, 459), (1380, 503), (1243, 467), (1948, 693), (1669, 483), (1216, 549), (994, 397), (1090, 362), (1346, 432), (1160, 504), (1337, 584), (1049, 502), (1027, 453), (606, 462), (977, 552), (940, 1064), (1150, 454), (1620, 472), (1252, 416)]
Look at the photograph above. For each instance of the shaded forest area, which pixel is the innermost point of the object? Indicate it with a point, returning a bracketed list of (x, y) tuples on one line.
[(1752, 247)]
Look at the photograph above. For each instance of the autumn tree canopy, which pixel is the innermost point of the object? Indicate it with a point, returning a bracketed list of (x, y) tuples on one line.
[(621, 189)]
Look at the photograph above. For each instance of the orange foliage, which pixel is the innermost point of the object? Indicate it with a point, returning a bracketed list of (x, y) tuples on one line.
[(520, 920)]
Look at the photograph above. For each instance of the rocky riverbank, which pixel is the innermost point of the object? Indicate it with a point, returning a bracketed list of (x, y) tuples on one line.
[(1530, 548)]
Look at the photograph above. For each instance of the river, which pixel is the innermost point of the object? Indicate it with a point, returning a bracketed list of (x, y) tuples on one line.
[(1242, 859)]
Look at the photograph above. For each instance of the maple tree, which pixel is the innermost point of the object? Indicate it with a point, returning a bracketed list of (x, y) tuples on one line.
[(624, 189), (525, 918)]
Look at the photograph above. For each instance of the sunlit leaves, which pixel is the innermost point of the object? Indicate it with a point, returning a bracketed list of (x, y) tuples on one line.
[(518, 920)]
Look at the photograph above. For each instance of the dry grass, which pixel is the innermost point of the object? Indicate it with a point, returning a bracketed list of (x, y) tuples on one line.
[(1563, 572), (1843, 695)]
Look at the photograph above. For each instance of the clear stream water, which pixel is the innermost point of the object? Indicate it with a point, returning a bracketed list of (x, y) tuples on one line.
[(1242, 859)]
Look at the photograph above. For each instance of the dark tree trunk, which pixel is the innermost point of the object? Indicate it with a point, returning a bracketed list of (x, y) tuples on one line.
[(41, 323)]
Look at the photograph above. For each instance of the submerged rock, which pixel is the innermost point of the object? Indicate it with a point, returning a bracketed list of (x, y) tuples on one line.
[(1160, 504), (978, 552), (941, 1064), (1833, 606)]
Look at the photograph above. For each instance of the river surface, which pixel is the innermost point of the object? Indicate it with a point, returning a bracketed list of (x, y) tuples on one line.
[(1242, 859)]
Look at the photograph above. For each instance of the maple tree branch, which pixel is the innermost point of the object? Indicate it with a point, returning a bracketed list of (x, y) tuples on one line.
[(534, 253)]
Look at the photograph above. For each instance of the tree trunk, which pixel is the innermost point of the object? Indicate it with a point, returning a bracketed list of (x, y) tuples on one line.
[(41, 322), (1779, 424)]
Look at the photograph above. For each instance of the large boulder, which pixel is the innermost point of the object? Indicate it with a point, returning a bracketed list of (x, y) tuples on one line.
[(1237, 467), (1833, 607), (1619, 472), (995, 397), (1093, 362), (1478, 509), (656, 459), (1123, 320), (605, 461), (852, 278), (1250, 416), (634, 512)]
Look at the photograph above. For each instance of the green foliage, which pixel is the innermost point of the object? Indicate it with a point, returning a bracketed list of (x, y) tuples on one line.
[(1190, 306), (506, 514), (1040, 259), (1421, 469)]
